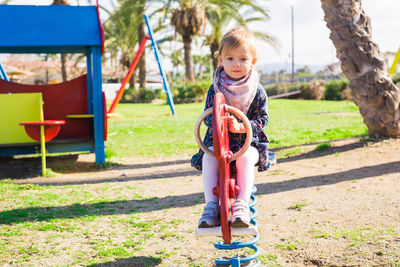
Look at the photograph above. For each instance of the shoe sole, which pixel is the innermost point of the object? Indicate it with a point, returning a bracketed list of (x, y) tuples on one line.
[(239, 223), (205, 225)]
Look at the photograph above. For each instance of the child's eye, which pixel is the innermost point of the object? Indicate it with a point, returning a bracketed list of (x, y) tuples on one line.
[(244, 59), (230, 58)]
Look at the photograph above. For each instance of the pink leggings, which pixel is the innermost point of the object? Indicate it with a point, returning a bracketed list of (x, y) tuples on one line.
[(245, 174)]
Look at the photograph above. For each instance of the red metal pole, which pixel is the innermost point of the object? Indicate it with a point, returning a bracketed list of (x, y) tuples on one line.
[(129, 74)]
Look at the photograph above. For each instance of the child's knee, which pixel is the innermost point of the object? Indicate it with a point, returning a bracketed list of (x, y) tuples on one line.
[(209, 160), (248, 158)]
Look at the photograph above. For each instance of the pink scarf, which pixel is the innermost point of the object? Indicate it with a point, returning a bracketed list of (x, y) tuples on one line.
[(239, 93)]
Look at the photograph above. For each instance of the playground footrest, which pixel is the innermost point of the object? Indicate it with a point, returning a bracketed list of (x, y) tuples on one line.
[(89, 116), (236, 231), (79, 116)]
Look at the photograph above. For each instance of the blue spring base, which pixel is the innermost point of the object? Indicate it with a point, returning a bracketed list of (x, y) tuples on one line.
[(237, 261)]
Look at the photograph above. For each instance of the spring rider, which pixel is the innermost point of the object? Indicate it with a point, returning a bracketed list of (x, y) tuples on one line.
[(226, 188)]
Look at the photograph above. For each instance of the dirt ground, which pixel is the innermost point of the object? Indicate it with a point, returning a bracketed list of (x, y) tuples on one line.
[(336, 207)]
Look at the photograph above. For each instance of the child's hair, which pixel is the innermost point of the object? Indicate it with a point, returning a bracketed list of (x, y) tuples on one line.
[(236, 37)]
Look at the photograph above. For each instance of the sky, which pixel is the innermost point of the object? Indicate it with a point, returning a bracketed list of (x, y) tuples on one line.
[(311, 36), (312, 45)]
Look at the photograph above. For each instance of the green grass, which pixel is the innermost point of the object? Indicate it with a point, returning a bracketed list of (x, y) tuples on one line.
[(298, 206), (295, 122), (40, 222), (151, 130)]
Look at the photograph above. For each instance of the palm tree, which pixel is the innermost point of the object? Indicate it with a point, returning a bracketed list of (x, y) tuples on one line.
[(129, 16), (243, 12), (130, 8), (201, 62), (191, 15), (141, 34), (176, 57), (372, 88), (189, 19), (121, 32)]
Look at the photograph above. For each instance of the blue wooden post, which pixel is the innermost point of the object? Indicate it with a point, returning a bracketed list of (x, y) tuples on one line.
[(97, 103), (166, 87), (89, 80)]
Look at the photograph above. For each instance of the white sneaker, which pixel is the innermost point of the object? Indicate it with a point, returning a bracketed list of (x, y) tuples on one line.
[(240, 214), (210, 217)]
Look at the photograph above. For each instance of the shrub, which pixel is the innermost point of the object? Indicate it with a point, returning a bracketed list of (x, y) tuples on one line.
[(396, 78), (280, 88), (323, 146), (142, 95), (346, 94), (334, 89), (191, 92), (315, 89)]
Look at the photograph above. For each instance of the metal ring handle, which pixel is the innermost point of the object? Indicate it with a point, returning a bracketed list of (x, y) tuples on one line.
[(237, 112)]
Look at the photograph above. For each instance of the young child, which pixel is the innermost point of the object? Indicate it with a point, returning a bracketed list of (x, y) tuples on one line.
[(238, 80)]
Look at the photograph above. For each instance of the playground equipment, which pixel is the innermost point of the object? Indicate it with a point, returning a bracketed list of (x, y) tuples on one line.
[(226, 188), (3, 74), (395, 62), (79, 102), (166, 87), (133, 65), (128, 76)]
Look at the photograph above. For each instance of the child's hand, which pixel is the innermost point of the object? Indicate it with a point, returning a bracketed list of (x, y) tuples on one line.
[(234, 126)]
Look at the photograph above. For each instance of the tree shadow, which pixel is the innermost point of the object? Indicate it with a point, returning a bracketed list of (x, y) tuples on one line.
[(316, 153), (119, 179), (328, 179), (155, 164), (98, 209), (30, 167), (77, 167), (139, 261), (155, 203)]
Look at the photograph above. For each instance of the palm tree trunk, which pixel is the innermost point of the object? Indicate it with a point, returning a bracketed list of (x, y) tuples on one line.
[(64, 67), (133, 80), (142, 61), (372, 88), (214, 46), (200, 70), (63, 56), (187, 45)]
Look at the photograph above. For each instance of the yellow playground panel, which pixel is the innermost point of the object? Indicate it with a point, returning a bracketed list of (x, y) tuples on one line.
[(15, 108), (18, 108)]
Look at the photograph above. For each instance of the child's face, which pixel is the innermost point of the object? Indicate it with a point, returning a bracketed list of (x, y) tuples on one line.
[(237, 62)]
